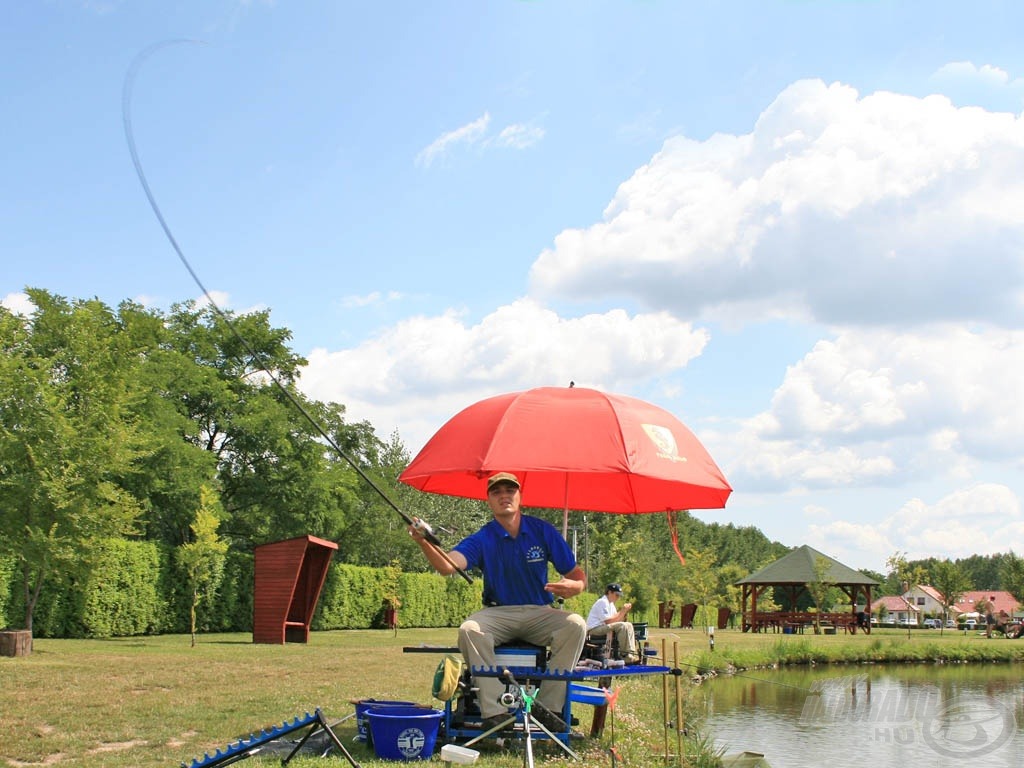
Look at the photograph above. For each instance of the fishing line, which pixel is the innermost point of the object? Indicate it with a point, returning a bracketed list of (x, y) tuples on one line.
[(126, 102)]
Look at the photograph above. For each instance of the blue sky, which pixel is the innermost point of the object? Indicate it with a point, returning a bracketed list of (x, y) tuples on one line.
[(795, 225)]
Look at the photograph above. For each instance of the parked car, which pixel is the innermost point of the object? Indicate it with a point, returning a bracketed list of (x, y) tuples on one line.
[(908, 622), (932, 623), (970, 624), (950, 624)]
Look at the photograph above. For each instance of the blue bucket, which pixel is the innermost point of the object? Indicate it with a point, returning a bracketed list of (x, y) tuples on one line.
[(404, 733), (363, 725)]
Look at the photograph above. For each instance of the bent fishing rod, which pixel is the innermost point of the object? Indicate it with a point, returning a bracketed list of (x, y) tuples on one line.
[(126, 99)]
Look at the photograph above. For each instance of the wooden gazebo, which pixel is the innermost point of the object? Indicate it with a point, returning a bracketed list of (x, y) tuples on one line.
[(791, 574)]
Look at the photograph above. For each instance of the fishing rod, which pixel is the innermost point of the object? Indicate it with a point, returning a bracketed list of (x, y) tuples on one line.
[(126, 100)]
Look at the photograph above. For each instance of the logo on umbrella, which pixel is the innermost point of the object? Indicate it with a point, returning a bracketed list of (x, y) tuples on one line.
[(664, 441)]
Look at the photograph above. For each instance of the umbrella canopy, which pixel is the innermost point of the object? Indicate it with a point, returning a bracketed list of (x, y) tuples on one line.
[(572, 448)]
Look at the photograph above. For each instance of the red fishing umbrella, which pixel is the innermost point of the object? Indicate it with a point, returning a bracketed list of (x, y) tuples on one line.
[(572, 448)]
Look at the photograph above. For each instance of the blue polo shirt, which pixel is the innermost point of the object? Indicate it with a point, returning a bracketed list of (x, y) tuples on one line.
[(516, 570)]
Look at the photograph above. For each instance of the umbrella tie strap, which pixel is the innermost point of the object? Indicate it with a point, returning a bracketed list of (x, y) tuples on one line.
[(675, 535)]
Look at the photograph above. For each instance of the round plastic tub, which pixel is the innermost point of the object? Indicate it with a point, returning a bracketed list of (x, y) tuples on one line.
[(404, 733)]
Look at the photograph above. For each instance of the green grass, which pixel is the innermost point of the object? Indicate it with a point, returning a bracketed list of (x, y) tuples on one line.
[(156, 701)]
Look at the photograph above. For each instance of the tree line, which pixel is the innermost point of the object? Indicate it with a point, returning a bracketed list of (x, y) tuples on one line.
[(145, 425)]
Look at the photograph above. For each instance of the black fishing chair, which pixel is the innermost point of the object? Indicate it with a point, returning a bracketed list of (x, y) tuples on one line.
[(600, 647)]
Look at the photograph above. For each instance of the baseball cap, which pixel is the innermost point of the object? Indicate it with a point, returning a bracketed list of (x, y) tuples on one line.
[(502, 477), (614, 588)]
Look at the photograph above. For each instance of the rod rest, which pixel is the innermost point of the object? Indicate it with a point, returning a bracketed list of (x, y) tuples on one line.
[(573, 674), (255, 739)]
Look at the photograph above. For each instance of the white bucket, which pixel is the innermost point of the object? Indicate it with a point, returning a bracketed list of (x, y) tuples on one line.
[(456, 754)]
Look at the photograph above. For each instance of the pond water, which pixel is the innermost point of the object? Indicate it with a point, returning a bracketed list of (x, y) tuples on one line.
[(872, 715)]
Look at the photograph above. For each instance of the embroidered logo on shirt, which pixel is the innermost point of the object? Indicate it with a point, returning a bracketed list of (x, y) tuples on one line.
[(535, 554)]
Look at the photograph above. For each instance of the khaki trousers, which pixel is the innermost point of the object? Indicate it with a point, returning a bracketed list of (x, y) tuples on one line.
[(561, 631), (623, 631)]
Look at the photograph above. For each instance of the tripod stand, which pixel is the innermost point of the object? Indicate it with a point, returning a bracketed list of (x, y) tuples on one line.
[(519, 696)]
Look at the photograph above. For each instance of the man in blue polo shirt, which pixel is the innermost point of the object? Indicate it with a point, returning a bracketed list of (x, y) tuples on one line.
[(513, 551)]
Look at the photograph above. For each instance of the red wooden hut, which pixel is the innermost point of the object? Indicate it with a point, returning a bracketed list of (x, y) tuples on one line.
[(289, 577)]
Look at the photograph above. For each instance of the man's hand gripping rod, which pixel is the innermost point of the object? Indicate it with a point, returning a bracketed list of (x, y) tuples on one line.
[(428, 535)]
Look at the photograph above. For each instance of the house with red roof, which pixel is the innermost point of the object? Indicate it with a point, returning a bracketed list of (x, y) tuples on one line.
[(1002, 602), (897, 609), (924, 600), (927, 600)]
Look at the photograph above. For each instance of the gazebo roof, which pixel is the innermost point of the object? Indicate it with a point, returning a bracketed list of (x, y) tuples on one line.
[(798, 567)]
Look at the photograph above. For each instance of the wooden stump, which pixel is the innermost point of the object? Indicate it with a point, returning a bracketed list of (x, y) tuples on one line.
[(15, 642)]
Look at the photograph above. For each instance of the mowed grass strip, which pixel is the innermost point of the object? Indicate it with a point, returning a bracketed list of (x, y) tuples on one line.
[(157, 701)]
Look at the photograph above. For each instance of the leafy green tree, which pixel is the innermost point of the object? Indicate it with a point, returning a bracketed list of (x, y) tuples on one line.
[(168, 476), (1011, 575), (277, 479), (202, 559), (906, 574), (68, 387), (951, 582), (730, 595), (700, 579), (982, 570), (819, 589)]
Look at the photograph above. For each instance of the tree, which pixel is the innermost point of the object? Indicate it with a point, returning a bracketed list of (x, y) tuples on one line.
[(167, 478), (819, 589), (68, 433), (951, 582), (202, 559), (699, 580), (729, 594), (1011, 575), (906, 575), (276, 477)]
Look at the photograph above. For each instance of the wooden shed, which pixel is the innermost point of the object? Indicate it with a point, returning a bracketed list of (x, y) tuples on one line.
[(289, 576)]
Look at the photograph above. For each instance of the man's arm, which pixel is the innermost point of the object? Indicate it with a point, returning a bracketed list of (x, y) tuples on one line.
[(436, 557), (621, 615), (572, 584)]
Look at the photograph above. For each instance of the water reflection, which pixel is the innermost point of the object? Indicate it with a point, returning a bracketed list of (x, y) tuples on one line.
[(944, 715)]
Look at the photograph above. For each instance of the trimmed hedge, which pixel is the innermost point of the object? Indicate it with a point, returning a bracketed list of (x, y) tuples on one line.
[(7, 565), (138, 588), (118, 596)]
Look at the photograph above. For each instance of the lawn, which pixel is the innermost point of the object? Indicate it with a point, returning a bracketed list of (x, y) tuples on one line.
[(157, 701)]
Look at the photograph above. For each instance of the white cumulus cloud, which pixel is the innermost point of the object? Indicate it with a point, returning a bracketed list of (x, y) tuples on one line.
[(837, 207), (983, 519), (18, 303), (423, 370), (873, 404)]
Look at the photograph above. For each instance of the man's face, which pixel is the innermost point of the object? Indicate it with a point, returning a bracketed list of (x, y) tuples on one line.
[(503, 499), (613, 596)]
